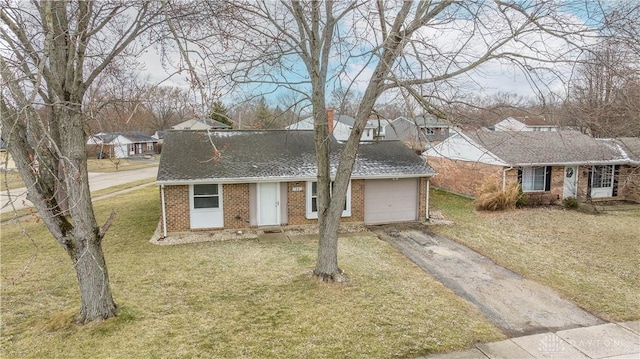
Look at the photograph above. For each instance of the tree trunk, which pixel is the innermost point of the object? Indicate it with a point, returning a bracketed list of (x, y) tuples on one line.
[(93, 279), (327, 269)]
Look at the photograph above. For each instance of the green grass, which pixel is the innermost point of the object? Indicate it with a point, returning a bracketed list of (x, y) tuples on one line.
[(593, 260), (235, 299)]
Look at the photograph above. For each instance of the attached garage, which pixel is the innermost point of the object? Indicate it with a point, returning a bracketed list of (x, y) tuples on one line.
[(390, 200)]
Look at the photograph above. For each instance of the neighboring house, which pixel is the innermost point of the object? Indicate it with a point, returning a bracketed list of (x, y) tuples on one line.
[(268, 178), (158, 135), (340, 126), (549, 165), (121, 144), (630, 147), (417, 132), (201, 124), (526, 123)]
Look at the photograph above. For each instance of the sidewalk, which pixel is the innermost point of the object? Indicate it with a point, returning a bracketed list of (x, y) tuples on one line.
[(612, 340)]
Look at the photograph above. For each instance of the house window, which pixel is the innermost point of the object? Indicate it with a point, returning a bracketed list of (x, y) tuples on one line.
[(533, 179), (206, 196), (132, 148), (602, 177), (312, 200), (149, 146)]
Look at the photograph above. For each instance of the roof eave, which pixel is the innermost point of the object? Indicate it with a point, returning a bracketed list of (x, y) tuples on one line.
[(574, 163), (282, 179)]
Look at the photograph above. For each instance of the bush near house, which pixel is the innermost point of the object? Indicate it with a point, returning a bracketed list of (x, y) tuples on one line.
[(492, 197)]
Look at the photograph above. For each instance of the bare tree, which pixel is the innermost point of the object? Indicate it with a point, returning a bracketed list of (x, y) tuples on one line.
[(604, 95), (52, 52), (169, 105), (345, 101), (426, 51)]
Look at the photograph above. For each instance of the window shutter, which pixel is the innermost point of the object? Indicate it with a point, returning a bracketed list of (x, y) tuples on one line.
[(520, 175), (616, 172), (589, 174), (547, 180)]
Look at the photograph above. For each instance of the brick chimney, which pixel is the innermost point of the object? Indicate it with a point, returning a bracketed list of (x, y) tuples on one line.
[(330, 119)]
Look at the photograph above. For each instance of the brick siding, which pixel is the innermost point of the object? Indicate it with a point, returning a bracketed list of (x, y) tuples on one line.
[(466, 178), (629, 183), (461, 177), (177, 206), (297, 205), (236, 205), (422, 195)]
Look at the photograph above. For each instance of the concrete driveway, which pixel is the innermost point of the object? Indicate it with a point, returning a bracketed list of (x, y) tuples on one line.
[(516, 305), (97, 181)]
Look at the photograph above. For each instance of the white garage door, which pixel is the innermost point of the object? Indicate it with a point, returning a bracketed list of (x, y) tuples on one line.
[(389, 200)]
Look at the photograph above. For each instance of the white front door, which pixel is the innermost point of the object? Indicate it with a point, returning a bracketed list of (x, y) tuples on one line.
[(602, 181), (268, 204), (570, 182)]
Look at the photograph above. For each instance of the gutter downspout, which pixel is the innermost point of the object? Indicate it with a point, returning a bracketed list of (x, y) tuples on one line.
[(504, 177), (164, 213), (428, 188)]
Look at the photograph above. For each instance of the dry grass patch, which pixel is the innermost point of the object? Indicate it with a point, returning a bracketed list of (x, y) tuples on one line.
[(108, 165), (594, 260), (10, 180), (236, 299)]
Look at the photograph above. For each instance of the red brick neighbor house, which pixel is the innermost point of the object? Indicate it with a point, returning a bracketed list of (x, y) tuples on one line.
[(550, 166), (236, 179)]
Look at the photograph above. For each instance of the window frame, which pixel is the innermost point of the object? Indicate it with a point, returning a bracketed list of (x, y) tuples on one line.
[(217, 195), (310, 214), (529, 173), (599, 170)]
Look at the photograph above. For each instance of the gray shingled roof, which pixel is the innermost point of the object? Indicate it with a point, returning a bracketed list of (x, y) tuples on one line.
[(546, 147), (135, 136), (631, 147), (188, 156)]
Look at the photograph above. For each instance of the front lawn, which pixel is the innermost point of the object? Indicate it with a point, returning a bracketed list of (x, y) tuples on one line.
[(123, 164), (593, 260), (12, 179), (236, 299)]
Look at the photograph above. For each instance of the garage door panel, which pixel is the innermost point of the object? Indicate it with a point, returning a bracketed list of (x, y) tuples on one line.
[(391, 200)]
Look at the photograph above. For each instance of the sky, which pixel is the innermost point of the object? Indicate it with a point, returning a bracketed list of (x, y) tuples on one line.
[(490, 78)]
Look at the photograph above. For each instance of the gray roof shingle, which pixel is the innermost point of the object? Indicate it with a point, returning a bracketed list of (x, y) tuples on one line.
[(630, 146), (134, 136), (245, 156), (547, 147)]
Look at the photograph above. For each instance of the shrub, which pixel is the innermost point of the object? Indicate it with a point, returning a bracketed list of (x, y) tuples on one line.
[(493, 198), (571, 203), (522, 199)]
